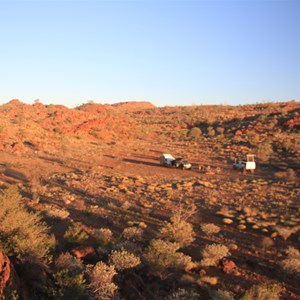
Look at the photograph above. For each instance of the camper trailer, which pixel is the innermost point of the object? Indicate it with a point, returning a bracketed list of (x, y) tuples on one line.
[(167, 160)]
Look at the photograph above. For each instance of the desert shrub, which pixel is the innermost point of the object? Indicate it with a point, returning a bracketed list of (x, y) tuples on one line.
[(289, 174), (69, 278), (210, 131), (22, 233), (127, 245), (9, 294), (68, 261), (237, 139), (133, 233), (273, 124), (178, 231), (213, 253), (195, 132), (291, 264), (103, 250), (220, 130), (101, 281), (103, 235), (266, 243), (37, 188), (287, 144), (210, 229), (221, 295), (75, 235), (265, 291), (261, 118), (123, 260), (71, 285), (264, 151), (126, 205), (162, 257), (182, 294), (253, 138)]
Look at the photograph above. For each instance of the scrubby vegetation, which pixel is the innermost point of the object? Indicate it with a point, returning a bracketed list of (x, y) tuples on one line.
[(23, 235), (291, 264), (123, 260), (87, 212), (163, 258), (178, 231), (101, 281), (212, 254), (263, 291)]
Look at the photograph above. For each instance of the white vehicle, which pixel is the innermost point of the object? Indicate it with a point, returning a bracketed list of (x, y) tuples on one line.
[(167, 160), (245, 165)]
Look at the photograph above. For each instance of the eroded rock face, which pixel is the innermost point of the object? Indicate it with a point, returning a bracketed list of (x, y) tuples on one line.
[(4, 272), (8, 277)]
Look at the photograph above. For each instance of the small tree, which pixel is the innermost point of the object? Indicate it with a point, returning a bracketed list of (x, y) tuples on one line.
[(179, 230)]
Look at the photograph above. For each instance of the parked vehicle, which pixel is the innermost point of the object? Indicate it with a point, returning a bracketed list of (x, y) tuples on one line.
[(182, 164), (168, 160), (249, 164)]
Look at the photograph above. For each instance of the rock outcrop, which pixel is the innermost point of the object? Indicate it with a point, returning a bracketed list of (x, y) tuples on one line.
[(9, 280)]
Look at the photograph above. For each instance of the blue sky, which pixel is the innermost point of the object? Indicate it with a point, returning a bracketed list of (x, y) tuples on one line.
[(165, 52)]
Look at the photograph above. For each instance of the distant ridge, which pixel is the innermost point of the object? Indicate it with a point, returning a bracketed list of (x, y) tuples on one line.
[(120, 106), (134, 105)]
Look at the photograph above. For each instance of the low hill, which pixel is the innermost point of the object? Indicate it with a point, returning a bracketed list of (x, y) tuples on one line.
[(93, 176)]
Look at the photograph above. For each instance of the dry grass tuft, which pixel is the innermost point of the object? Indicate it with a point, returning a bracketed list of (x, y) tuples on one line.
[(210, 229)]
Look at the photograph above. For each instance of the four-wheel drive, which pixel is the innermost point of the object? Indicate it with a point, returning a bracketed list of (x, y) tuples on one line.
[(182, 164), (168, 160)]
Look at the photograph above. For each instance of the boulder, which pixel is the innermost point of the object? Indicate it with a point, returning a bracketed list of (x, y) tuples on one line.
[(228, 266), (84, 252)]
